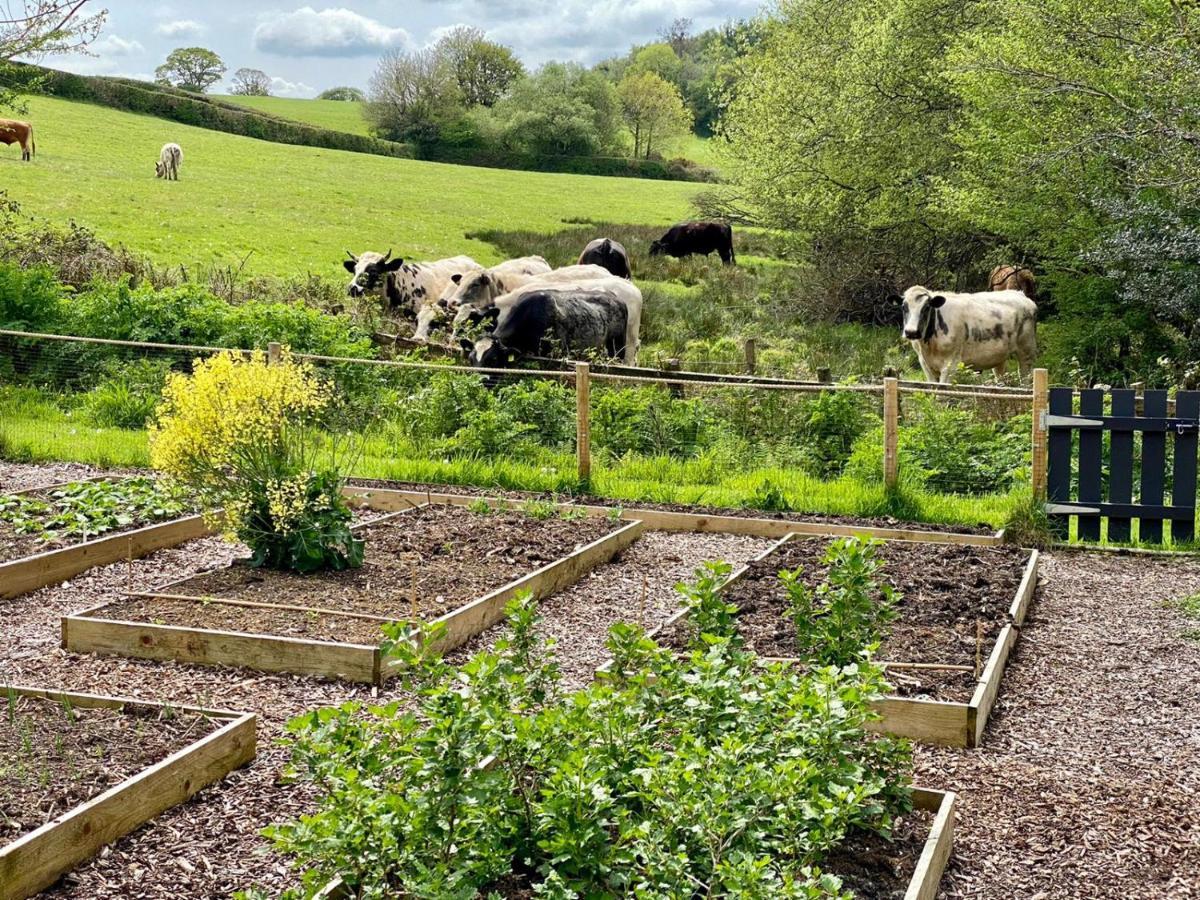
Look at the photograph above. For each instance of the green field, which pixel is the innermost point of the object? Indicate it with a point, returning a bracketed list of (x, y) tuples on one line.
[(294, 209), (336, 115)]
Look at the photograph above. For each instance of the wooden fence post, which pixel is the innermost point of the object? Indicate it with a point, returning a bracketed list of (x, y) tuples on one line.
[(274, 352), (583, 436), (825, 375), (671, 366), (891, 431), (751, 348), (1041, 394)]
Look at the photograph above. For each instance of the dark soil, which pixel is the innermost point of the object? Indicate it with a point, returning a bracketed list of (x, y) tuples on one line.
[(945, 589), (737, 512), (873, 868), (422, 563), (14, 545), (309, 626), (54, 757)]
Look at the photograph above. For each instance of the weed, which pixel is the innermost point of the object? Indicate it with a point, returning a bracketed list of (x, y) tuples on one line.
[(480, 507), (540, 509)]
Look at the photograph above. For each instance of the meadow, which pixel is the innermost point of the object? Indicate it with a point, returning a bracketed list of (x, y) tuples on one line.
[(336, 115), (289, 210)]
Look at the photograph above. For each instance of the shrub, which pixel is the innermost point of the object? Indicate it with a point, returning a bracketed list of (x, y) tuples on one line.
[(127, 396), (29, 299), (237, 435), (845, 616), (547, 406), (828, 426), (710, 770)]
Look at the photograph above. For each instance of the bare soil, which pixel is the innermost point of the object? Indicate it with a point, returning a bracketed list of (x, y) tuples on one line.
[(875, 868), (53, 756), (946, 590), (422, 563)]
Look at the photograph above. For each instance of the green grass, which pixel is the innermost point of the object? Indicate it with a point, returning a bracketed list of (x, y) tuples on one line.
[(335, 115), (294, 209), (702, 150)]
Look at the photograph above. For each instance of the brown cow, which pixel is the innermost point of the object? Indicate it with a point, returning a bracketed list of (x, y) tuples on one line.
[(14, 132), (1013, 278)]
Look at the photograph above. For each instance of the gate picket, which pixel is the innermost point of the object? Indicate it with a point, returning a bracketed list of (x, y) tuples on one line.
[(1183, 490), (1091, 463), (1154, 461), (1058, 451), (1120, 466)]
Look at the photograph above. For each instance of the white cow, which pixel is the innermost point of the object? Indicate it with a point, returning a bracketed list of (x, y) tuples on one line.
[(413, 288), (980, 330), (170, 158), (478, 292)]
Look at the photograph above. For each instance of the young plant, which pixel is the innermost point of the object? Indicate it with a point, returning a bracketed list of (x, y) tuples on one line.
[(708, 611), (240, 434), (847, 614), (480, 507), (540, 509)]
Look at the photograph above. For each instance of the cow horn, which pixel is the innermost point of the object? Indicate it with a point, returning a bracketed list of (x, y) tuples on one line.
[(387, 255), (352, 256)]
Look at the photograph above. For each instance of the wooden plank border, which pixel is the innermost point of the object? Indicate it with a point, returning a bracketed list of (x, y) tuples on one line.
[(36, 860), (667, 520), (88, 632), (21, 576), (930, 867), (941, 722)]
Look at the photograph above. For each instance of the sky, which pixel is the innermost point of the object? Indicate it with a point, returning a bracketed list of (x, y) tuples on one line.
[(308, 48)]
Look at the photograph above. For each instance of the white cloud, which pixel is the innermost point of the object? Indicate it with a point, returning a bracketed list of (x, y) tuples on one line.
[(180, 28), (281, 87), (115, 46), (330, 32)]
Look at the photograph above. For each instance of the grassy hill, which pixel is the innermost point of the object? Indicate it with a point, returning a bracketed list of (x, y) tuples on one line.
[(335, 115), (295, 209)]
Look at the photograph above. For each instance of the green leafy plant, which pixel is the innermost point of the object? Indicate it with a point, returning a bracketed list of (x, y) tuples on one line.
[(89, 508), (540, 509), (480, 507), (711, 772), (708, 611), (847, 613)]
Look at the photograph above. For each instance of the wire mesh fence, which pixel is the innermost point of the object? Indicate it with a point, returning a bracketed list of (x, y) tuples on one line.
[(651, 436)]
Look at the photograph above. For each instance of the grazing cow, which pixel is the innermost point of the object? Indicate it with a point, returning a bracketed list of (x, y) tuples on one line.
[(696, 237), (170, 158), (603, 314), (1013, 278), (980, 330), (478, 292), (13, 131), (413, 288), (609, 254)]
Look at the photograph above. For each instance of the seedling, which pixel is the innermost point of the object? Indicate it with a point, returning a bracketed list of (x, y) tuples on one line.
[(480, 507)]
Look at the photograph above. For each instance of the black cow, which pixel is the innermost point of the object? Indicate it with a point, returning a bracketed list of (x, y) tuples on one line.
[(697, 237), (609, 254), (573, 320)]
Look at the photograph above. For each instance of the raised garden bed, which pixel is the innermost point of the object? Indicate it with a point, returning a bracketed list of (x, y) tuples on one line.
[(661, 518), (79, 771), (947, 648), (911, 866), (80, 528), (433, 563)]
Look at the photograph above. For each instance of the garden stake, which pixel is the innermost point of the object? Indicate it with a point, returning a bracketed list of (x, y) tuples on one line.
[(978, 647), (642, 603), (412, 590), (129, 568)]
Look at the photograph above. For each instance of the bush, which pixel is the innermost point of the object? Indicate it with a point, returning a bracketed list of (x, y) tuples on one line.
[(237, 435), (708, 770), (647, 420), (30, 299), (828, 426), (547, 406), (128, 395)]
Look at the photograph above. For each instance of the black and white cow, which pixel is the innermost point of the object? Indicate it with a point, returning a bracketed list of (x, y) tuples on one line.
[(980, 330), (412, 288), (603, 314), (700, 238), (609, 254), (479, 291)]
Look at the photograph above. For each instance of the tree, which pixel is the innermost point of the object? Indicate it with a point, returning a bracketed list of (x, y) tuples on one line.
[(654, 112), (31, 29), (191, 69), (562, 109), (483, 69), (659, 59), (414, 96), (345, 94), (679, 35), (251, 83)]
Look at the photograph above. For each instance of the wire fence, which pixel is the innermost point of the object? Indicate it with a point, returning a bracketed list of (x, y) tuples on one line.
[(628, 433)]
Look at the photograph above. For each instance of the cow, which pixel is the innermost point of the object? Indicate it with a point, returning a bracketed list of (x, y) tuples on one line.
[(479, 291), (13, 131), (603, 314), (170, 158), (1013, 278), (696, 237), (413, 288), (980, 330), (609, 254)]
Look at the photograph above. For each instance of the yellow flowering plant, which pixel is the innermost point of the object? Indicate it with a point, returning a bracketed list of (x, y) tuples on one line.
[(239, 434)]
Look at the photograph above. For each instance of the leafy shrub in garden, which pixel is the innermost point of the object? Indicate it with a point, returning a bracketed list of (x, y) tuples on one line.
[(848, 612), (237, 435), (706, 776), (828, 426)]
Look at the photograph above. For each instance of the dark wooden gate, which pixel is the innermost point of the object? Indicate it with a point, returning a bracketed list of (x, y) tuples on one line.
[(1160, 473)]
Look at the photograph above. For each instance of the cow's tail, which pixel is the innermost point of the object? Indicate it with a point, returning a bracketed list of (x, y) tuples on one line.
[(32, 144)]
